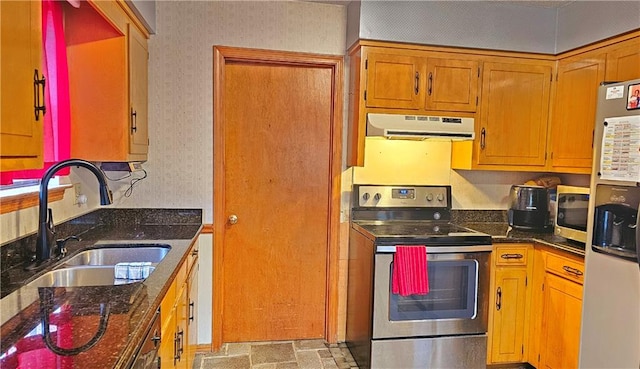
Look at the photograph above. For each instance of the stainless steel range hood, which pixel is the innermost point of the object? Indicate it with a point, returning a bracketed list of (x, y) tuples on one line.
[(420, 127)]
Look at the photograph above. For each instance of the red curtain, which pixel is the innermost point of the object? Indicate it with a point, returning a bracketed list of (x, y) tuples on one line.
[(57, 120)]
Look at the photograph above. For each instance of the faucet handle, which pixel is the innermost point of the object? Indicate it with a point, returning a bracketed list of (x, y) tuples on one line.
[(61, 250), (50, 220)]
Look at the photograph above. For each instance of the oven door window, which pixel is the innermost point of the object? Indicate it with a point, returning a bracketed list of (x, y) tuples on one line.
[(452, 293)]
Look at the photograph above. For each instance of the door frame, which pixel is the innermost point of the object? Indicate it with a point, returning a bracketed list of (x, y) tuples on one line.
[(222, 55)]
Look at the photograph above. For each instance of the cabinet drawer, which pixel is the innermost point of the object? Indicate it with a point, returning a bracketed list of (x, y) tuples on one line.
[(511, 255), (567, 268)]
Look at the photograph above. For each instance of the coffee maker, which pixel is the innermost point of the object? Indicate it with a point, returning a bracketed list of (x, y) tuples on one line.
[(615, 221), (529, 208)]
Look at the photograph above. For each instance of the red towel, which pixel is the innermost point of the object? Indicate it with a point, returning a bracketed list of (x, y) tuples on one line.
[(409, 275)]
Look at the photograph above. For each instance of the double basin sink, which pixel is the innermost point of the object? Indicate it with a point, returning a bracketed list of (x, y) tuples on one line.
[(96, 267)]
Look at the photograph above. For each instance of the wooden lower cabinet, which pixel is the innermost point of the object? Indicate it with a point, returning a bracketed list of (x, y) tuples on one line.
[(556, 309), (192, 313), (509, 303), (560, 335), (535, 306), (174, 332), (178, 316)]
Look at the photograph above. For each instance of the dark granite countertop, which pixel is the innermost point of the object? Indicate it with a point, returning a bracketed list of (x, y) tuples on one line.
[(74, 314), (495, 224), (502, 233)]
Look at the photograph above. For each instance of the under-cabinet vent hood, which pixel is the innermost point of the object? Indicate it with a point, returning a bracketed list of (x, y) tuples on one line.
[(419, 127)]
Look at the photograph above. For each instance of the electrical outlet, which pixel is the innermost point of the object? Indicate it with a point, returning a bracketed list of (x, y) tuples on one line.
[(78, 191)]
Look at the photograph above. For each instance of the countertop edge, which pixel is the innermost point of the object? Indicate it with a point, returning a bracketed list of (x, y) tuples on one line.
[(133, 344)]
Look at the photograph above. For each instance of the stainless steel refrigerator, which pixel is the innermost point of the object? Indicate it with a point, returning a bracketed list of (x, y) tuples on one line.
[(610, 333)]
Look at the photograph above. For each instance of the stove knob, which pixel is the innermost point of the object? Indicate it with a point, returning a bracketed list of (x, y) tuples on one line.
[(377, 197), (436, 216), (366, 196), (430, 197), (440, 197)]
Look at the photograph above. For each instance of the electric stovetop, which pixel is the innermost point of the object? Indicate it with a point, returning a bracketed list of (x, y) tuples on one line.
[(432, 233), (412, 215)]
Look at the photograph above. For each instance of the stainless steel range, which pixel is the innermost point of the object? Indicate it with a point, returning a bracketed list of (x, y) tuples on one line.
[(445, 328)]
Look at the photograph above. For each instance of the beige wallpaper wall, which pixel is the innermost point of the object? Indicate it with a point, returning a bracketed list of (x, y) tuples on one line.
[(181, 83)]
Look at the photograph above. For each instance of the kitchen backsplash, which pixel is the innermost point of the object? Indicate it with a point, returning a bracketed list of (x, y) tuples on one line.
[(428, 162)]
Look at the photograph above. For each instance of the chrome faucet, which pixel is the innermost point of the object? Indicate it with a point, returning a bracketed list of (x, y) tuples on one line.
[(45, 216)]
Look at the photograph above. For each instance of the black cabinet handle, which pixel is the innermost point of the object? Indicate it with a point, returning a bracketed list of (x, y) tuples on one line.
[(498, 299), (38, 83), (483, 134), (191, 311), (511, 256), (430, 88), (134, 121), (156, 338), (194, 252), (571, 270), (417, 86)]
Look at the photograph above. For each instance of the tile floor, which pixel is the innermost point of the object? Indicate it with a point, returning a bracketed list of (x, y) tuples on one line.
[(303, 354)]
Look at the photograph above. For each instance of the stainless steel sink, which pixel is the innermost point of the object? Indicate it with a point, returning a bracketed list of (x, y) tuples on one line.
[(76, 276), (119, 254), (96, 267)]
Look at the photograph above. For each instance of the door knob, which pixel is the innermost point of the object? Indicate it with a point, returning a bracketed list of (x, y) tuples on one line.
[(233, 219)]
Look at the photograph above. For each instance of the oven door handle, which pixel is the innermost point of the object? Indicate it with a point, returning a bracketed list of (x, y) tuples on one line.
[(441, 249)]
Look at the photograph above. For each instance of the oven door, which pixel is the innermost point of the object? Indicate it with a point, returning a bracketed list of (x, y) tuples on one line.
[(457, 302)]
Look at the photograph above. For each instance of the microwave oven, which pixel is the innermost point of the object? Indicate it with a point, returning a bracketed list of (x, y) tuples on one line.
[(572, 209)]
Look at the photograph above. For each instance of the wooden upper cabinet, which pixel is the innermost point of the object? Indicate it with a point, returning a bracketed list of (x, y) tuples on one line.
[(452, 84), (574, 113), (623, 61), (21, 45), (108, 83), (400, 79), (394, 81), (576, 98), (138, 90), (514, 114)]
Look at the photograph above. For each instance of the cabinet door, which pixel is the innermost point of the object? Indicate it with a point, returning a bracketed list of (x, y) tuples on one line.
[(394, 81), (575, 110), (193, 312), (138, 87), (507, 335), (21, 44), (560, 335), (623, 62), (182, 317), (167, 349), (514, 114), (452, 84)]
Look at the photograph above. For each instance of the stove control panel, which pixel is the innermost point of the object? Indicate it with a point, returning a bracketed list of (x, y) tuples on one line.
[(403, 196)]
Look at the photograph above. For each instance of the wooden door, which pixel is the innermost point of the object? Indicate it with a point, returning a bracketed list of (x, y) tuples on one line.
[(452, 84), (277, 165), (21, 42), (560, 335), (575, 111), (395, 81), (514, 114)]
